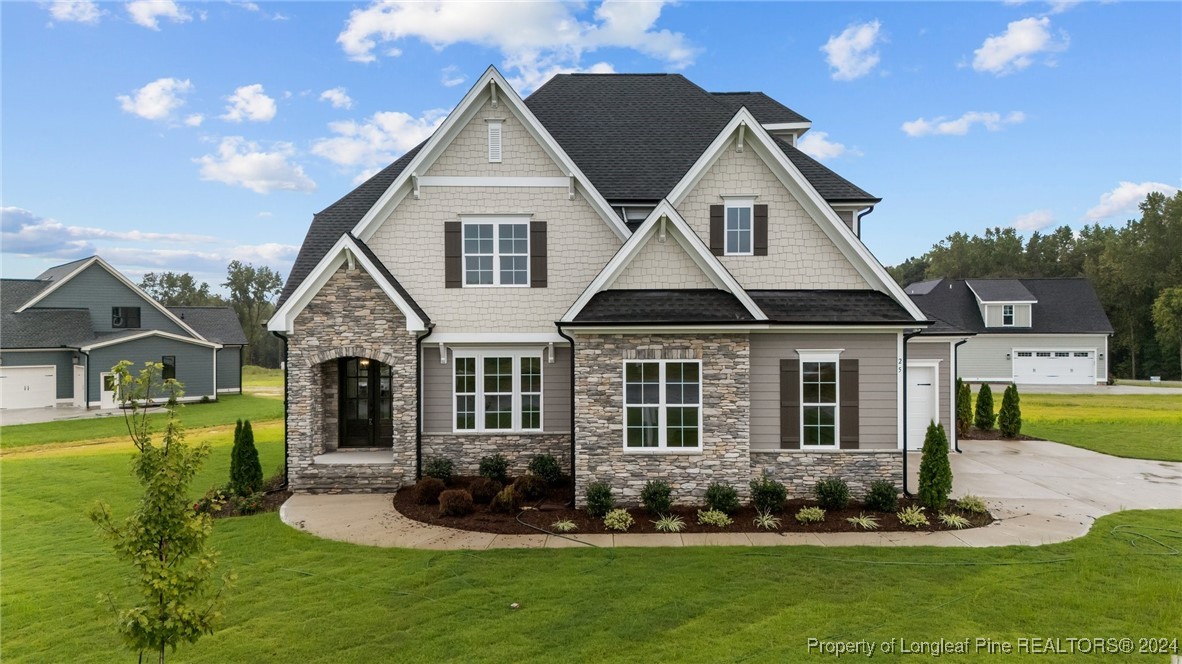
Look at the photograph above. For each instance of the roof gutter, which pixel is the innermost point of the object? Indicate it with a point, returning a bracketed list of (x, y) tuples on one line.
[(906, 337), (955, 370), (419, 400), (572, 408), (861, 214)]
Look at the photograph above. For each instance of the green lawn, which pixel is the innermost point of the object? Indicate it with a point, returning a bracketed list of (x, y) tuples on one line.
[(227, 409), (303, 599), (253, 376), (1143, 426)]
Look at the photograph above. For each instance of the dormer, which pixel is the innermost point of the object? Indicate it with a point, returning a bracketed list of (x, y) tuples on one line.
[(1003, 302), (789, 132)]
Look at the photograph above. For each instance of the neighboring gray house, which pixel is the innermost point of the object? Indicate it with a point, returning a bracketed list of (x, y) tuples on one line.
[(640, 277), (61, 333), (1027, 331)]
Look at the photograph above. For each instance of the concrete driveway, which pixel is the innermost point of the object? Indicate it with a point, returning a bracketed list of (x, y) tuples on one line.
[(1091, 389), (37, 415)]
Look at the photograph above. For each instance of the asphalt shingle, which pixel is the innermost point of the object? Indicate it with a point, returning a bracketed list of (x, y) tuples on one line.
[(1065, 306), (799, 307), (217, 324), (38, 328)]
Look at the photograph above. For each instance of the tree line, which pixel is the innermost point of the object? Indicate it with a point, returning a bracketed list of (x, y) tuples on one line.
[(252, 291), (1136, 270)]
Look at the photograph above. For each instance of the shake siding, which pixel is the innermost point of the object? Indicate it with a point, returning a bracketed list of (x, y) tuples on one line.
[(97, 290), (983, 357), (800, 255), (937, 350), (194, 364), (63, 360), (662, 265), (228, 368), (437, 391), (877, 356), (521, 156)]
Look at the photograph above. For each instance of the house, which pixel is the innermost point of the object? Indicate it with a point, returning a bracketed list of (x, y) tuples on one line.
[(640, 277), (61, 333), (1027, 331)]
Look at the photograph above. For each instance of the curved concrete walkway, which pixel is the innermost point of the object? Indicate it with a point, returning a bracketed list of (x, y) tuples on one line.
[(1040, 493)]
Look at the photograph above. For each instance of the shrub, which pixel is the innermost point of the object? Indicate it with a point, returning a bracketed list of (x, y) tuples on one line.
[(767, 521), (810, 515), (912, 516), (427, 490), (1009, 419), (546, 467), (455, 502), (563, 526), (483, 490), (246, 473), (972, 504), (714, 518), (935, 471), (669, 524), (439, 468), (832, 493), (212, 502), (599, 499), (983, 417), (954, 521), (656, 496), (495, 467), (507, 501), (882, 497), (722, 498), (531, 487), (249, 504), (864, 521), (964, 408), (618, 519), (768, 495)]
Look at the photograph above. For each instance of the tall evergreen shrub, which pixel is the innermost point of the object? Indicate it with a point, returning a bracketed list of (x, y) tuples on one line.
[(984, 415), (935, 471), (964, 408), (1009, 420), (246, 473)]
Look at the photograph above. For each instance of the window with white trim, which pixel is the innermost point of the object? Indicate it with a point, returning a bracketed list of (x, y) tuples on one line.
[(818, 400), (1007, 315), (740, 222), (662, 404), (497, 390), (496, 253)]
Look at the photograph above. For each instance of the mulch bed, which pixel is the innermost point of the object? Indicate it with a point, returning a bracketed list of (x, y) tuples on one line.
[(993, 434), (554, 507), (272, 501)]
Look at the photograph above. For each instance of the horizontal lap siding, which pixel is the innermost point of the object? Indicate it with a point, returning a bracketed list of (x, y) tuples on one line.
[(937, 350), (97, 290), (194, 364), (984, 356), (63, 360), (229, 374), (877, 383)]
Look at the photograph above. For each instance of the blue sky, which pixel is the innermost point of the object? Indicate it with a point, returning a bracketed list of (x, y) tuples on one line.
[(179, 136)]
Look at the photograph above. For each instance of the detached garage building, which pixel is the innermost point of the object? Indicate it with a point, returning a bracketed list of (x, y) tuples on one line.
[(1027, 331)]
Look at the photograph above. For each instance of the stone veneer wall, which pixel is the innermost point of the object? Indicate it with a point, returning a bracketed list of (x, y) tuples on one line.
[(349, 317), (465, 450), (599, 404), (800, 471)]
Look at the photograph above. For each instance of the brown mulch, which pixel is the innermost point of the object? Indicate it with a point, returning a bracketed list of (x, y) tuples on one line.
[(993, 434), (271, 502), (542, 514)]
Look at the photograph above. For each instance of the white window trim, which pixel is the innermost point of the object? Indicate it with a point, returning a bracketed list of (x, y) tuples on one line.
[(496, 254), (833, 356), (1013, 315), (479, 354), (661, 410), (495, 127), (738, 202)]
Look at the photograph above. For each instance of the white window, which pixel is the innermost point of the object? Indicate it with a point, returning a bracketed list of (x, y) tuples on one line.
[(1082, 353), (1024, 353), (739, 223), (498, 390), (818, 399), (1007, 314), (494, 142), (663, 404), (496, 252)]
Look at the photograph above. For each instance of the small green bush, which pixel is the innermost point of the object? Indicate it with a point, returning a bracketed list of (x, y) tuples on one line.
[(766, 521), (212, 502), (600, 500), (657, 497), (563, 526), (427, 490), (722, 498), (810, 515), (912, 516), (248, 504), (935, 470), (964, 408), (495, 467), (440, 468), (832, 493), (506, 502), (669, 524), (1009, 419), (455, 502), (714, 518), (864, 521), (768, 495), (531, 487), (618, 519), (483, 490), (246, 473), (882, 497), (983, 417), (974, 504), (546, 467), (954, 521)]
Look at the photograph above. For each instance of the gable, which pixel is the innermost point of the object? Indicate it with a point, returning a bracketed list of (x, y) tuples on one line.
[(97, 290), (662, 265), (521, 154)]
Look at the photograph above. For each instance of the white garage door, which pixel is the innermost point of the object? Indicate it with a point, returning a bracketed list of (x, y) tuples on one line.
[(28, 387), (921, 403), (1055, 367)]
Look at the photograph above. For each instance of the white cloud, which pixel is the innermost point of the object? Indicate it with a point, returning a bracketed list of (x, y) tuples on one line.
[(156, 100), (942, 126), (817, 145), (75, 11), (149, 12), (338, 97), (1016, 48), (852, 54), (243, 163), (249, 102), (1033, 221), (29, 234), (378, 140), (534, 38), (194, 120), (452, 77), (1060, 6), (1125, 198)]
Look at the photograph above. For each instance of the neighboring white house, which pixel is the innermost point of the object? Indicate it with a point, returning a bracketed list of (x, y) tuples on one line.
[(1028, 331)]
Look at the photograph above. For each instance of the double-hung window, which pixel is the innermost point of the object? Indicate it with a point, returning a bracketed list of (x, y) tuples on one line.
[(497, 390), (739, 226), (818, 400), (496, 252), (1007, 315), (168, 367), (662, 404)]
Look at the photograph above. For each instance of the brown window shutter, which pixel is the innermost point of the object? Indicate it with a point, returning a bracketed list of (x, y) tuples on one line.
[(537, 254), (760, 230), (790, 404), (453, 254), (848, 404), (717, 231)]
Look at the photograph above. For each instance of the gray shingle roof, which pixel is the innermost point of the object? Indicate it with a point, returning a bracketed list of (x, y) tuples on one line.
[(1065, 306), (38, 328), (798, 307), (1000, 290), (58, 271), (830, 306), (217, 324), (763, 107)]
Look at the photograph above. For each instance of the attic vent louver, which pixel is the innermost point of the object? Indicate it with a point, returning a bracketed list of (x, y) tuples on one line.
[(494, 142)]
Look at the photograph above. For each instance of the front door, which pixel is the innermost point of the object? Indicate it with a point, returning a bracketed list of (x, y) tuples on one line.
[(109, 390), (367, 418)]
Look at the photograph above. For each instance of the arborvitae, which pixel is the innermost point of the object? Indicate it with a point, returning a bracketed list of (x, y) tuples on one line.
[(984, 416), (1009, 420), (246, 473), (964, 408), (935, 471)]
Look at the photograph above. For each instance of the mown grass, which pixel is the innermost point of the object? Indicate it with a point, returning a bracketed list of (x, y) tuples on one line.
[(1142, 426), (254, 376), (299, 598)]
